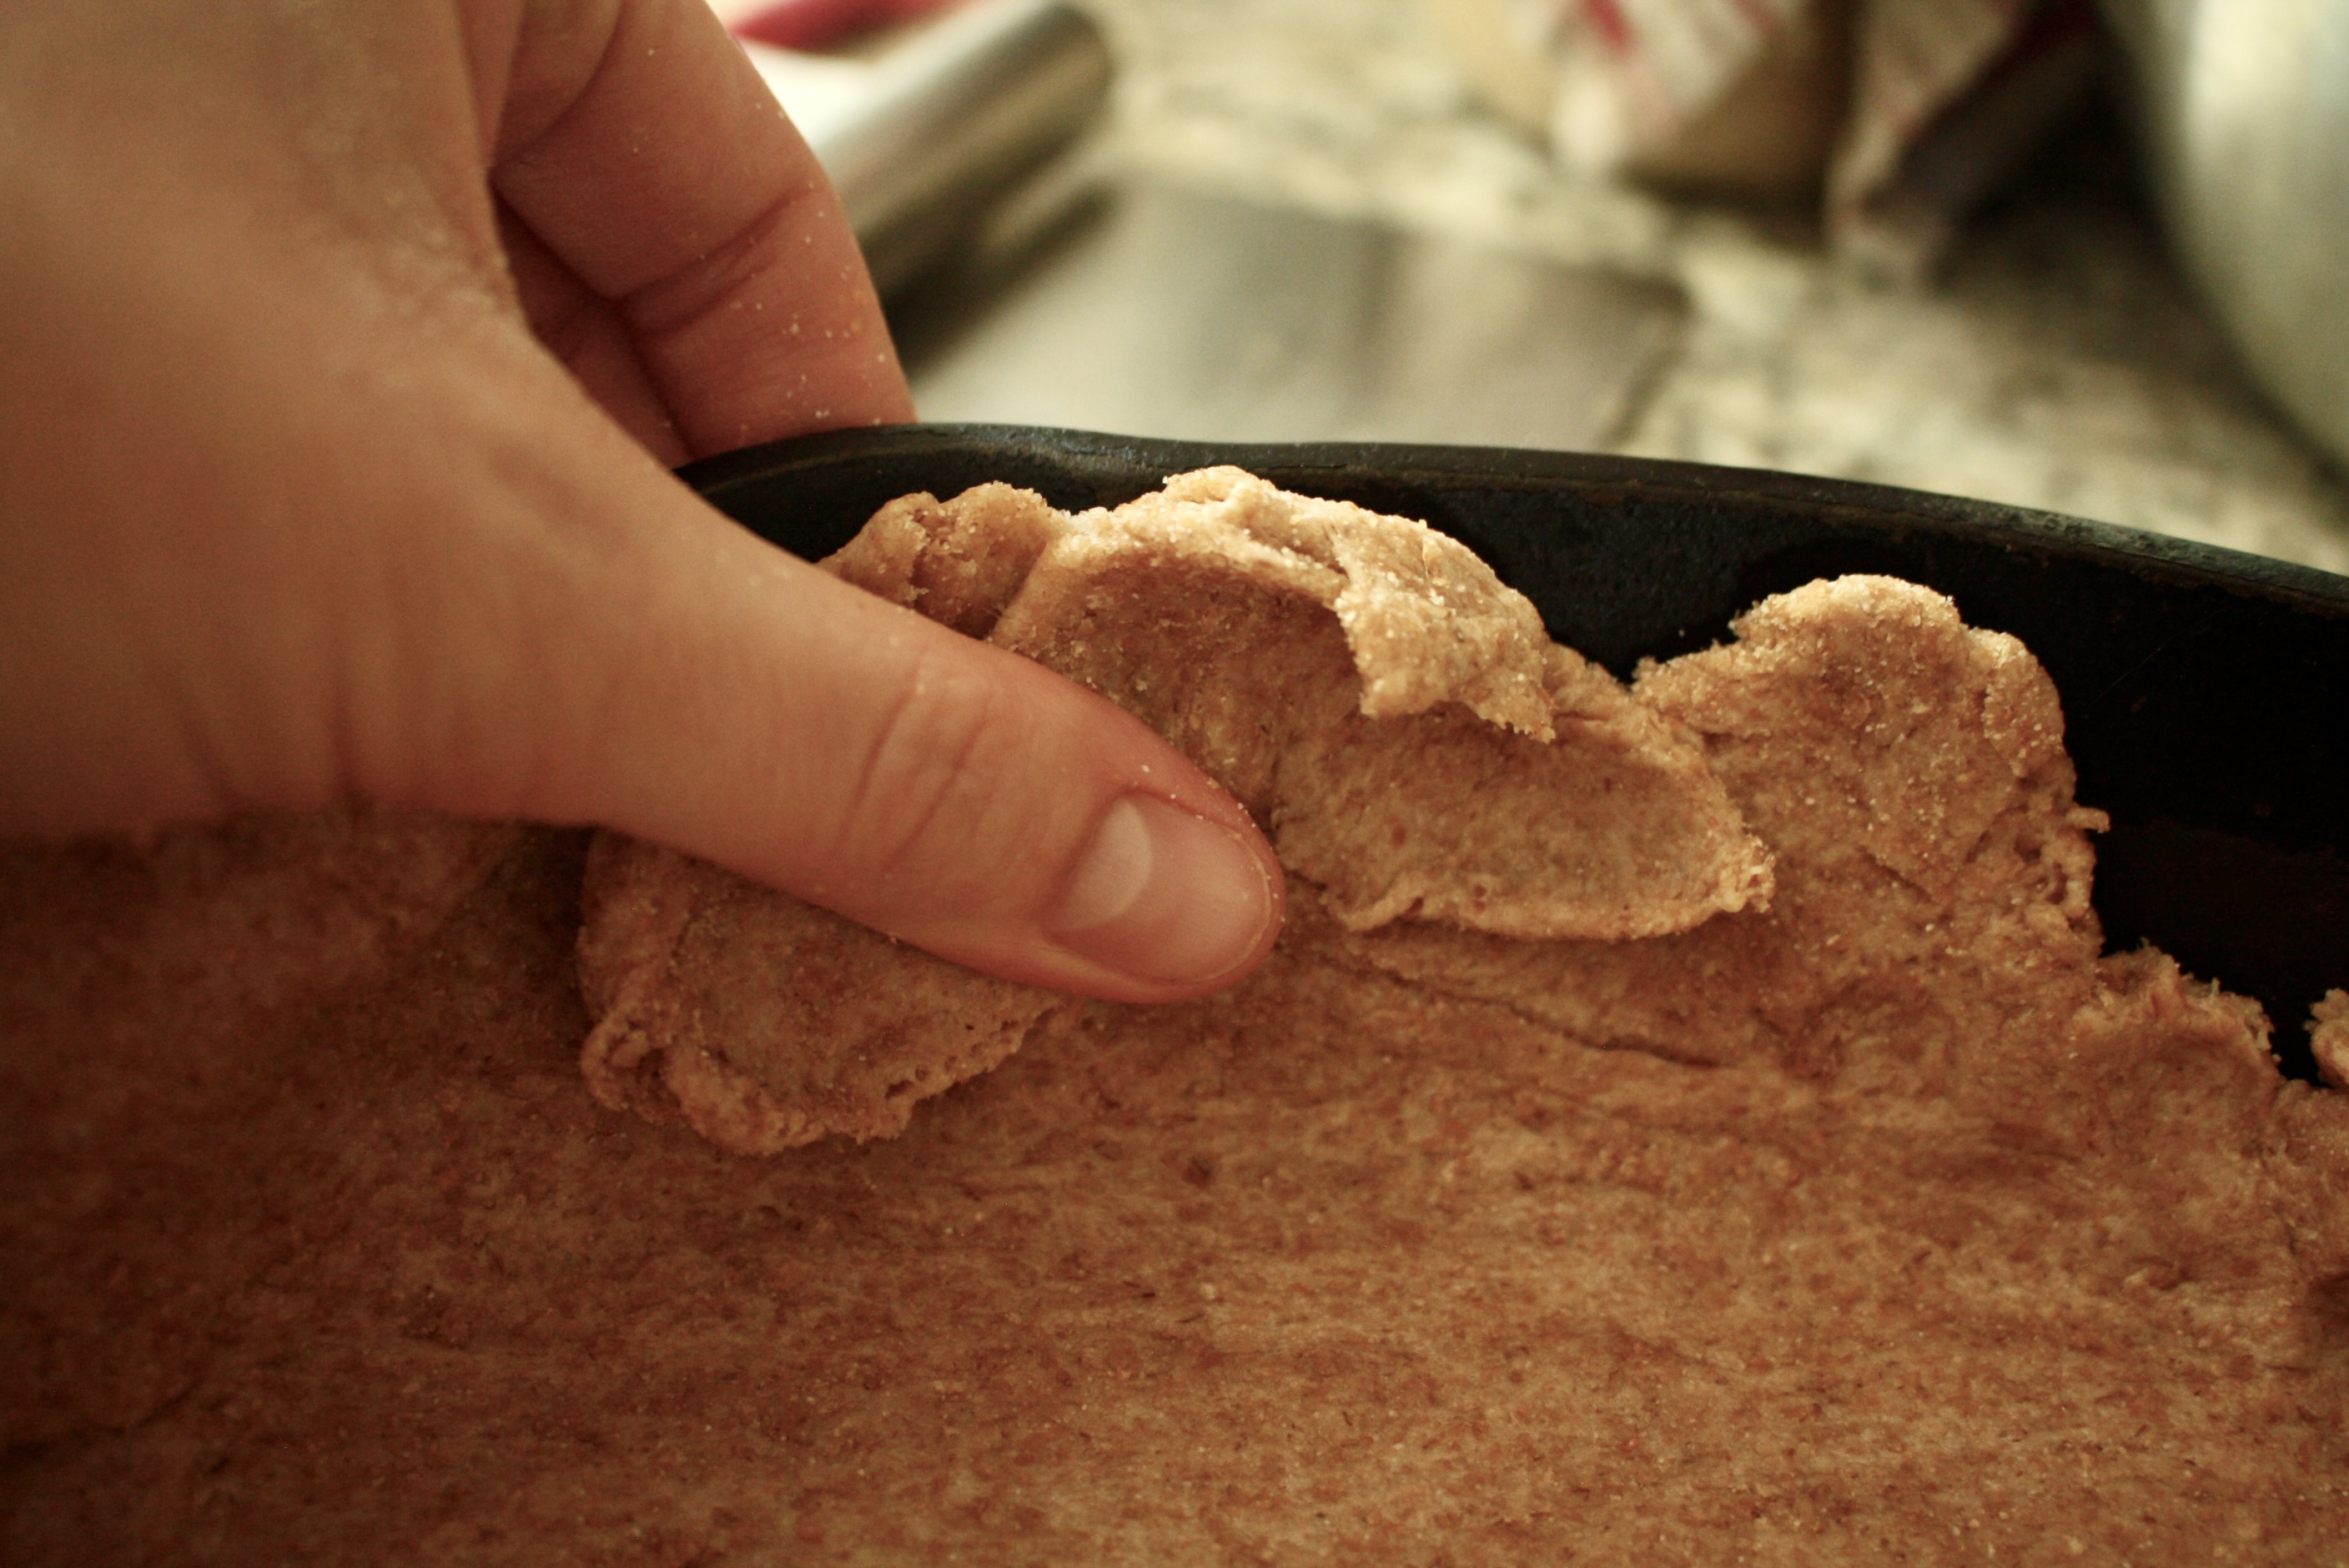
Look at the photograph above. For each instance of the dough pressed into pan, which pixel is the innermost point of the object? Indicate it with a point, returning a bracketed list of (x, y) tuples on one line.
[(1416, 745), (1830, 1197)]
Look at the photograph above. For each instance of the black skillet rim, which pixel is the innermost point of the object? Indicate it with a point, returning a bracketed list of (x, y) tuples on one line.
[(1106, 463)]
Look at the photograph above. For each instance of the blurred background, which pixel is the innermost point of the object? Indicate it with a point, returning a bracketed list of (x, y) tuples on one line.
[(2059, 253)]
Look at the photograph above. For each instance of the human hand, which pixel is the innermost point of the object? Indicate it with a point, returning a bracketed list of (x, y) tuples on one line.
[(347, 346)]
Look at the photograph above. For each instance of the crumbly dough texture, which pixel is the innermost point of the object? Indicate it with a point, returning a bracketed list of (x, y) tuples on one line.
[(2328, 1034), (1416, 745), (765, 1023), (1890, 1222)]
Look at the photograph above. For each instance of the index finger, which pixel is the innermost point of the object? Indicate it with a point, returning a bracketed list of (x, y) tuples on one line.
[(637, 142)]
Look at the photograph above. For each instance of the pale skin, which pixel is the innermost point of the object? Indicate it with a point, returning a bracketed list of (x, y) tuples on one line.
[(346, 347)]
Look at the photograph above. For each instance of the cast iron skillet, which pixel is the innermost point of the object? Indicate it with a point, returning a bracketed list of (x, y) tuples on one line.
[(2206, 692)]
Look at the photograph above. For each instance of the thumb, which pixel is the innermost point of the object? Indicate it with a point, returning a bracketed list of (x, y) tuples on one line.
[(714, 694)]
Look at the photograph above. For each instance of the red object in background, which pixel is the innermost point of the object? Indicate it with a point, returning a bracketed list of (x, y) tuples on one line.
[(813, 24)]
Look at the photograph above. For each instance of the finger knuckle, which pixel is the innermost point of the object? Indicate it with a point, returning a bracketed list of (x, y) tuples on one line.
[(935, 781)]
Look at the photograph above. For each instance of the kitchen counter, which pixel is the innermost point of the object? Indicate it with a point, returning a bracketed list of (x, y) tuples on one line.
[(2057, 362)]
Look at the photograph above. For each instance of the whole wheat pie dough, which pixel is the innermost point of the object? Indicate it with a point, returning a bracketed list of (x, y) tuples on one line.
[(1688, 1123), (1367, 688)]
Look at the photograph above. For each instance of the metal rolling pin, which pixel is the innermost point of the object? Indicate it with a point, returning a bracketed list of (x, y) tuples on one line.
[(955, 119)]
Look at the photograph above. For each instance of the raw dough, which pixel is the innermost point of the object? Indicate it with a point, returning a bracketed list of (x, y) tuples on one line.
[(1417, 747), (1890, 1222)]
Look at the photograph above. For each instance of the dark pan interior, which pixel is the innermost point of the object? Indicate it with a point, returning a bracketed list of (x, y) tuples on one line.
[(2206, 692)]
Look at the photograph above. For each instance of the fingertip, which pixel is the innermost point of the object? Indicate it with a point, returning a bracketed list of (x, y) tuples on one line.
[(1169, 901)]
